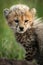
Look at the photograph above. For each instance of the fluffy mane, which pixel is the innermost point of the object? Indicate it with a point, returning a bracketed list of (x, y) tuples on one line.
[(20, 7)]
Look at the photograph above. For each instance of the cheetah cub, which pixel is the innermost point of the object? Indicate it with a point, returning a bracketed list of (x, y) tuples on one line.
[(28, 30)]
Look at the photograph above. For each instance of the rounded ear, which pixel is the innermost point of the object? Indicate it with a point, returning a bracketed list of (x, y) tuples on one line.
[(33, 11), (6, 12)]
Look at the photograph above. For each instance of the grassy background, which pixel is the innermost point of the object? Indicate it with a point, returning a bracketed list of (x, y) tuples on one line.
[(9, 48)]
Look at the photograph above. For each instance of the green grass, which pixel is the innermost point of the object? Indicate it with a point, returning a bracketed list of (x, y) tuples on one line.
[(9, 48)]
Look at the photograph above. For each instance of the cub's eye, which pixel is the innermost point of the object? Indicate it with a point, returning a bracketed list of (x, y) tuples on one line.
[(26, 20), (16, 21)]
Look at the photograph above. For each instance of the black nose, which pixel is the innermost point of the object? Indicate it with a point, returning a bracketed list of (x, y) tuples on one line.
[(21, 28)]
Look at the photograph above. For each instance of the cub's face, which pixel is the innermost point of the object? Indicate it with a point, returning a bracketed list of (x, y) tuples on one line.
[(18, 20)]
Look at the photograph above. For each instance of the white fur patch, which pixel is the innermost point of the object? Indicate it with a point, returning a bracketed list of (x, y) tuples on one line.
[(20, 7), (37, 22)]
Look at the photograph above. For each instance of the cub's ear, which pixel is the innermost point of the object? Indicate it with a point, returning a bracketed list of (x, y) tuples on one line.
[(33, 11), (6, 12)]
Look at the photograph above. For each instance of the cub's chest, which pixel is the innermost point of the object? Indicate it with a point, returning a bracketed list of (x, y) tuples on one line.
[(29, 42), (26, 38)]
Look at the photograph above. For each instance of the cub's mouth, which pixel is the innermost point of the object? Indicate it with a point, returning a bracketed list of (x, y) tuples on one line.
[(21, 30)]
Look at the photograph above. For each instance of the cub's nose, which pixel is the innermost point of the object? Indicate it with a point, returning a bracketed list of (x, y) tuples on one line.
[(21, 28)]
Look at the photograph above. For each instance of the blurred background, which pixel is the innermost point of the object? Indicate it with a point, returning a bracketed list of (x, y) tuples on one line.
[(9, 48)]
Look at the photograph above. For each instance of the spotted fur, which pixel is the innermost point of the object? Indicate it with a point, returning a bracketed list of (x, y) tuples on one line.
[(31, 37)]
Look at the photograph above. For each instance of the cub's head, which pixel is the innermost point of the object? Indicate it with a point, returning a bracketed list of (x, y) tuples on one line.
[(20, 17)]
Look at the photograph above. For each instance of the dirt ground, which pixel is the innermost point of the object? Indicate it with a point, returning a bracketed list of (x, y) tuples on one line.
[(14, 62)]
